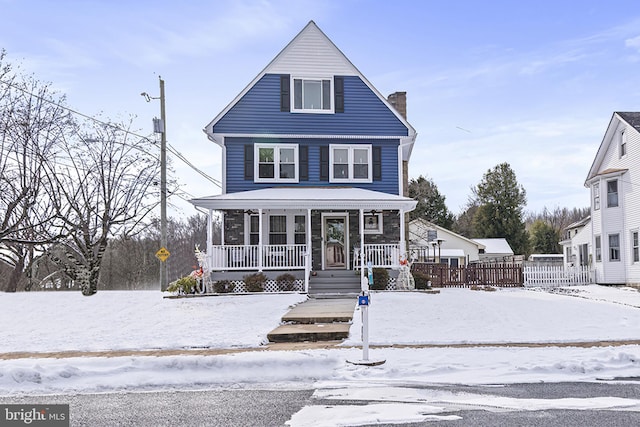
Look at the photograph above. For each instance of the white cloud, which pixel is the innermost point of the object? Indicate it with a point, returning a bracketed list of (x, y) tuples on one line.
[(633, 43)]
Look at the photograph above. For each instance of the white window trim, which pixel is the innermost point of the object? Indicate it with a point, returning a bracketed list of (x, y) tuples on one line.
[(350, 178), (331, 109), (266, 225), (276, 163), (632, 245), (596, 196), (617, 193), (378, 222), (622, 146), (619, 248)]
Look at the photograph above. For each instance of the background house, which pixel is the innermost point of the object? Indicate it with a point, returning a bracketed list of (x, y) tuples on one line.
[(576, 244), (429, 242), (495, 250), (613, 181)]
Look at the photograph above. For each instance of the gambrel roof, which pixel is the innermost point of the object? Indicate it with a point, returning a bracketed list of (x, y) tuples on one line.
[(311, 53), (630, 118)]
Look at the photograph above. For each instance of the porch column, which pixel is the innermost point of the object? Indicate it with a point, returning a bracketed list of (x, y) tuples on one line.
[(222, 228), (403, 242), (260, 260), (307, 255), (362, 264), (209, 248)]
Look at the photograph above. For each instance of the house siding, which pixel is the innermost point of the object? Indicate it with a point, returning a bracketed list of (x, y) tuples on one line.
[(258, 112), (626, 216), (632, 201), (235, 180)]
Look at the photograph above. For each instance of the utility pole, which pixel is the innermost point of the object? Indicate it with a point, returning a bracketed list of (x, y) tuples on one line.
[(163, 189), (159, 126)]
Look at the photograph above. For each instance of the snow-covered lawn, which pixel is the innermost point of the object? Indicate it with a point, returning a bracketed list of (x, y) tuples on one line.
[(43, 322)]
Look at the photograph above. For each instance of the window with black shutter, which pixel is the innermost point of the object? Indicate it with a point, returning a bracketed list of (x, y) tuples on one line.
[(248, 162), (285, 94), (303, 164), (376, 160), (338, 91), (324, 163)]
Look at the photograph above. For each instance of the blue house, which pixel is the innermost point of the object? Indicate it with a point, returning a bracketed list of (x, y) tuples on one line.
[(314, 168)]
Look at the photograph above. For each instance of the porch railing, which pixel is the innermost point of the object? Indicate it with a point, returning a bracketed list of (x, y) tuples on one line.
[(382, 255), (247, 257)]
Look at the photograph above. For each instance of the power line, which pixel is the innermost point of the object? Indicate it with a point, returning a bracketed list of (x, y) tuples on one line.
[(171, 149)]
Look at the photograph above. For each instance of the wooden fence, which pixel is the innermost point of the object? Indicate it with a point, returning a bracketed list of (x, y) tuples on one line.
[(552, 276), (501, 275)]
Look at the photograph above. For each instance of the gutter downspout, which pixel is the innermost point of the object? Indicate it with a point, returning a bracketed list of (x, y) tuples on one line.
[(260, 248), (307, 255)]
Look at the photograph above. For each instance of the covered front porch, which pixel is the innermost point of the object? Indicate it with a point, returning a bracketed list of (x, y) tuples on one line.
[(306, 229)]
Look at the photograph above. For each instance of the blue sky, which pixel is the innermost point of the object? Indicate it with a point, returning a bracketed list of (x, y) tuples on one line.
[(531, 83)]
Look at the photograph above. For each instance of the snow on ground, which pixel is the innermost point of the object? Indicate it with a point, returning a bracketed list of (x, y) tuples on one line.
[(121, 320), (45, 322)]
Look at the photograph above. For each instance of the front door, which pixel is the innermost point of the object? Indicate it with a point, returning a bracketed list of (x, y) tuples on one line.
[(334, 242)]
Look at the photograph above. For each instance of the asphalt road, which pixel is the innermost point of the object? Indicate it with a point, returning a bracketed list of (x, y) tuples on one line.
[(242, 407)]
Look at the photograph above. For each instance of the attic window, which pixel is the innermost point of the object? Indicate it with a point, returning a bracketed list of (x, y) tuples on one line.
[(312, 95), (623, 144)]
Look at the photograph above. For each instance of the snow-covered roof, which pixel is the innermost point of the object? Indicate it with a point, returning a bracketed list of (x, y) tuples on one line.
[(307, 198), (495, 246)]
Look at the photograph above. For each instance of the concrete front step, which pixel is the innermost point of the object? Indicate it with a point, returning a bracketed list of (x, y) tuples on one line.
[(322, 311), (310, 332), (316, 320), (334, 282)]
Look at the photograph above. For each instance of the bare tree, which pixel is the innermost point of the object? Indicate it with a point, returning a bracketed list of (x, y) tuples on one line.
[(32, 121), (103, 180)]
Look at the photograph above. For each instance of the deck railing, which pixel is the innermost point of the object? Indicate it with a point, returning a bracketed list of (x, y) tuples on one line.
[(382, 255), (247, 257)]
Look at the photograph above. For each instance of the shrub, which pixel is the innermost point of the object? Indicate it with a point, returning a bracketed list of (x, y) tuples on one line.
[(421, 280), (255, 282), (380, 279), (184, 285), (223, 286), (286, 282)]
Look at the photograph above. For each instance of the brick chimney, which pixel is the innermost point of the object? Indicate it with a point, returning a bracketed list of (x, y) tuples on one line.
[(399, 102)]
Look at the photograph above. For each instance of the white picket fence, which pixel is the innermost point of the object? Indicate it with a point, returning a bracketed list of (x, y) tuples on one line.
[(552, 275)]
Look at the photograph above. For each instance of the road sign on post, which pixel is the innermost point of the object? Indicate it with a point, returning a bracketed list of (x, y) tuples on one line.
[(163, 254)]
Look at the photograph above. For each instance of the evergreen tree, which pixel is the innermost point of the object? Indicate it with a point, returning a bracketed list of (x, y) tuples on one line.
[(431, 204), (464, 224), (544, 238), (500, 213)]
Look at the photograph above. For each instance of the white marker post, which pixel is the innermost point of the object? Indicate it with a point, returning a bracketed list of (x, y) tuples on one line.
[(363, 303)]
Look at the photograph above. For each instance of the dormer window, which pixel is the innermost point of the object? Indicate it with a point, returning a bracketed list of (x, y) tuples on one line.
[(312, 95)]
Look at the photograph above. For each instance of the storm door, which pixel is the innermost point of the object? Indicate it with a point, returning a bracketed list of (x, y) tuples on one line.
[(334, 242)]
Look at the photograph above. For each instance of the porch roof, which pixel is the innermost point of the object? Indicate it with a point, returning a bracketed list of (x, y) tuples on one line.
[(307, 198)]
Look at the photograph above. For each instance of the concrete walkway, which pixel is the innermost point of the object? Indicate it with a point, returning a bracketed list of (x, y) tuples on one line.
[(295, 346), (316, 320)]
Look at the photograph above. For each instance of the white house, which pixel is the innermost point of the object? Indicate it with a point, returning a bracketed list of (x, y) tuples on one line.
[(614, 182), (576, 245), (430, 242)]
